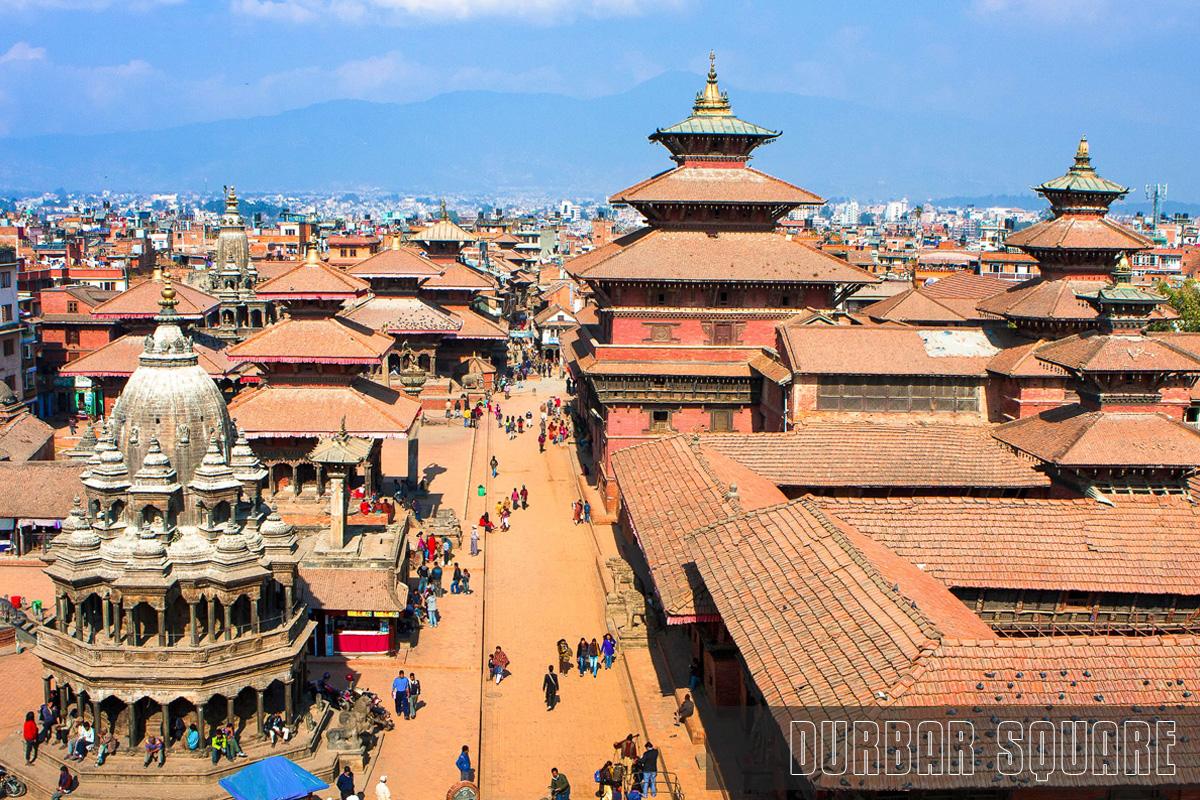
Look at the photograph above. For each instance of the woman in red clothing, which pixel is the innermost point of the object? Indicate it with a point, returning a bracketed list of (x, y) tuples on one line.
[(29, 732)]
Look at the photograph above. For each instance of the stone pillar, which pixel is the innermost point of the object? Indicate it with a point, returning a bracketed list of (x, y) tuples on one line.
[(79, 621), (46, 689), (133, 737), (289, 701), (162, 626), (258, 697), (107, 612), (165, 721), (414, 458), (254, 622), (229, 710), (118, 617), (131, 634), (192, 624), (337, 508), (64, 697), (200, 723), (289, 596), (227, 634), (212, 619), (96, 716)]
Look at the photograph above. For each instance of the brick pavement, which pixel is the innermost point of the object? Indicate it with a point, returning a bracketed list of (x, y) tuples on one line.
[(543, 585)]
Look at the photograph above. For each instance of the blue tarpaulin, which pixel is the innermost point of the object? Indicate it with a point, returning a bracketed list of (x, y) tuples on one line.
[(273, 778)]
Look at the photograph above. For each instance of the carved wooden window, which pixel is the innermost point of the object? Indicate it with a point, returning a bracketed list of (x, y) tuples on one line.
[(72, 307), (720, 420), (660, 333), (72, 336), (722, 333), (660, 420), (896, 393)]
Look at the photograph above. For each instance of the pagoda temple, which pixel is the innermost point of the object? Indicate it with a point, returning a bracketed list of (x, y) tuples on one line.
[(688, 304), (320, 374)]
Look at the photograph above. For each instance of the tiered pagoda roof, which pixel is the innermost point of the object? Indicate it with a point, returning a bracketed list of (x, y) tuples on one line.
[(312, 279), (396, 261), (141, 302), (362, 408), (313, 340)]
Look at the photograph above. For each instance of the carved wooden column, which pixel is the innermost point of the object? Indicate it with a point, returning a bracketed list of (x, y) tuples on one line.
[(193, 633), (258, 697)]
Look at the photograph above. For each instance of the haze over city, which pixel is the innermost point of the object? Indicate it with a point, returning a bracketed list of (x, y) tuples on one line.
[(879, 100)]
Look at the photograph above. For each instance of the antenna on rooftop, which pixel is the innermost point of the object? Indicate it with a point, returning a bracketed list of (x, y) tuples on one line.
[(1156, 192)]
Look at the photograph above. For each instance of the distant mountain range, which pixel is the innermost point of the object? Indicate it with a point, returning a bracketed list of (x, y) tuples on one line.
[(508, 143)]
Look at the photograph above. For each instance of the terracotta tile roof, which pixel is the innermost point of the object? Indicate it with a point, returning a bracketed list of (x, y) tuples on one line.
[(140, 301), (689, 184), (653, 254), (23, 436), (459, 276), (442, 230), (395, 263), (1021, 361), (311, 281), (1070, 232), (548, 313), (398, 315), (475, 325), (313, 410), (350, 240), (1142, 544), (1097, 352), (967, 285), (343, 589), (39, 489), (830, 623), (876, 455), (917, 306), (1043, 299), (1073, 437), (317, 340), (672, 486), (886, 350), (119, 358), (840, 631), (771, 369)]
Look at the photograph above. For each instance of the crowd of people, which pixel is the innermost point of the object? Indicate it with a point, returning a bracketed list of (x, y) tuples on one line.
[(436, 555)]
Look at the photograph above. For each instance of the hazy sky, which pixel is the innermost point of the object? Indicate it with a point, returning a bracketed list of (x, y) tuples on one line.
[(95, 65)]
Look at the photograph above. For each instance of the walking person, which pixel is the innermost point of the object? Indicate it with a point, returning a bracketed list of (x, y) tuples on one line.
[(608, 649), (550, 688), (524, 497), (48, 716), (474, 540), (463, 762), (581, 652), (400, 686), (577, 511), (466, 582), (594, 657), (382, 792), (499, 663), (495, 467), (431, 608), (587, 511), (456, 580), (30, 734), (414, 695), (446, 550)]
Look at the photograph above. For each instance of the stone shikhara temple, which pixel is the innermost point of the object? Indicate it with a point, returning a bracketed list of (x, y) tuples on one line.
[(175, 586)]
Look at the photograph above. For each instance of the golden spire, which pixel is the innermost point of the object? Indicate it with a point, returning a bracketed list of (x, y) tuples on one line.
[(167, 299), (395, 241), (157, 274), (310, 252), (712, 102), (1122, 271), (1083, 158), (231, 201)]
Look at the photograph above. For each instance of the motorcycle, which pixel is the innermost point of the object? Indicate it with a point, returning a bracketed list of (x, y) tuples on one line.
[(11, 785)]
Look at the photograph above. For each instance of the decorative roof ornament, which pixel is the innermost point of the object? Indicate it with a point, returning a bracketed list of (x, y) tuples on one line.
[(1083, 158), (1081, 190), (445, 214), (231, 200), (712, 102)]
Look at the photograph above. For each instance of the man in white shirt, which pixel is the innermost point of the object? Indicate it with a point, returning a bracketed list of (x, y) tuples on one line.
[(382, 792)]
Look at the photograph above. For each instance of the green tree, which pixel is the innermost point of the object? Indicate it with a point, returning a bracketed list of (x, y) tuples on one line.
[(1185, 299)]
